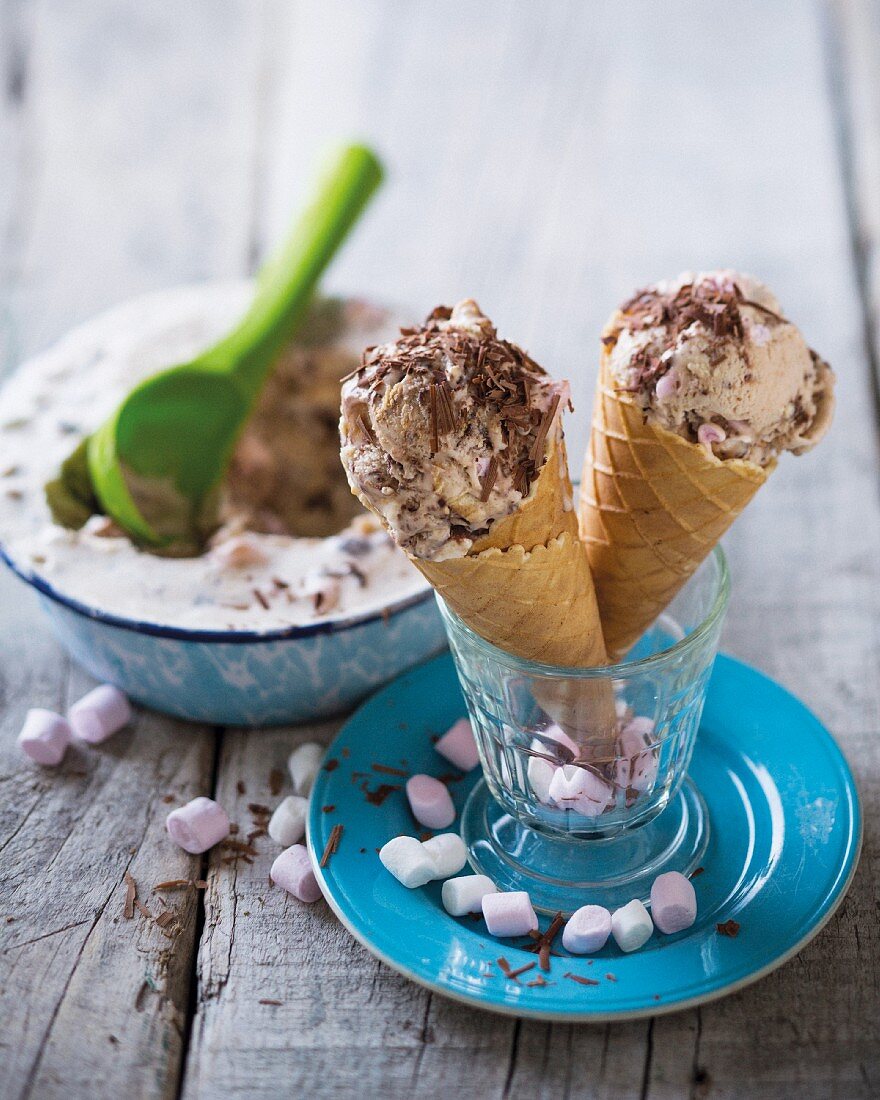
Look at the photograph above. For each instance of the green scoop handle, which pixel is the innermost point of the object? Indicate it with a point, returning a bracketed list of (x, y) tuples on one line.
[(156, 464)]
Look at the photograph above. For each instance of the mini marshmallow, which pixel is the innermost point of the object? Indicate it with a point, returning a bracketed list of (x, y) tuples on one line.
[(287, 825), (638, 768), (198, 825), (546, 741), (448, 854), (581, 790), (430, 802), (100, 714), (673, 902), (458, 746), (44, 736), (303, 764), (293, 872), (587, 930), (406, 859), (540, 773), (465, 895), (509, 914), (631, 926)]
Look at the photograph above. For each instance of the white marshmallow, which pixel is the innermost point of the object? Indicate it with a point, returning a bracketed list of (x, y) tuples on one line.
[(430, 802), (509, 914), (581, 790), (44, 736), (406, 859), (287, 825), (631, 926), (99, 714), (555, 733), (304, 763), (458, 746), (198, 825), (638, 766), (673, 902), (587, 930), (448, 854), (465, 895), (540, 773)]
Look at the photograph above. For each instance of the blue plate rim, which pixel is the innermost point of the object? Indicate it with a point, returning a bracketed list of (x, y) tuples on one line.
[(838, 891)]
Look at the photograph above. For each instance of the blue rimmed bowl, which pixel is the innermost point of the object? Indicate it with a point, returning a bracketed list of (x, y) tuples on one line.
[(245, 678)]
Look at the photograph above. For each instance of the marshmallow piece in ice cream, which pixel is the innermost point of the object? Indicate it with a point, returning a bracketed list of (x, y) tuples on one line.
[(673, 902), (99, 714), (44, 737), (509, 914), (631, 926), (198, 825), (636, 764)]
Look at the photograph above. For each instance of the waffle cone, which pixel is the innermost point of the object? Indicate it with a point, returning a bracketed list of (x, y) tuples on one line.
[(653, 505)]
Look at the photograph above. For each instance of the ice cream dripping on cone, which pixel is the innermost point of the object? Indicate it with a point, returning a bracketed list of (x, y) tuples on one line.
[(703, 383), (453, 438)]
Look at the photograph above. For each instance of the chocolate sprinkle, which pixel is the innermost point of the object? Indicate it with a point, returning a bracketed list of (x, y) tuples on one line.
[(386, 769), (332, 844), (729, 928), (130, 896), (580, 979)]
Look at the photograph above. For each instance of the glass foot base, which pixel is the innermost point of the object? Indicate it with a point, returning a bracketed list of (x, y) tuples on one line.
[(564, 874)]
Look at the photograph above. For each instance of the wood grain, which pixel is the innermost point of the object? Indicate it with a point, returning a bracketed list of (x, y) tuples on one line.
[(546, 160)]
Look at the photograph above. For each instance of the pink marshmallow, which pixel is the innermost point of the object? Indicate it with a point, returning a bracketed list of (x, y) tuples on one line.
[(509, 914), (673, 902), (44, 736), (100, 714), (587, 930), (637, 766), (581, 790), (667, 386), (459, 747), (198, 825), (293, 872), (430, 802)]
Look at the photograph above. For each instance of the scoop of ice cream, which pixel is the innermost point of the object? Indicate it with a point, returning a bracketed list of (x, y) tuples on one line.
[(444, 430), (712, 358)]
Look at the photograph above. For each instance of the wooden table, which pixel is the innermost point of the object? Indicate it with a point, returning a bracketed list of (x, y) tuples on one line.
[(544, 158)]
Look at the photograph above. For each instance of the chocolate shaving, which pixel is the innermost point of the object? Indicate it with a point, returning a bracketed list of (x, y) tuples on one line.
[(579, 979), (240, 787), (165, 918), (328, 809), (696, 871), (520, 970), (259, 810), (729, 928), (276, 781), (539, 981), (487, 482), (130, 896), (377, 795), (331, 765), (386, 769), (332, 844), (261, 599), (269, 1001), (173, 884), (537, 452), (503, 966), (142, 909), (611, 977)]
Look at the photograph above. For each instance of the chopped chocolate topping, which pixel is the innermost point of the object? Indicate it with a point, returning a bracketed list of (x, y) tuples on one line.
[(276, 781), (696, 871), (130, 896), (579, 979), (386, 769), (332, 844), (729, 928)]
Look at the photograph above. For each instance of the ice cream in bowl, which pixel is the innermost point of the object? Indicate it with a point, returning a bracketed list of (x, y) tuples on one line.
[(298, 605), (453, 438)]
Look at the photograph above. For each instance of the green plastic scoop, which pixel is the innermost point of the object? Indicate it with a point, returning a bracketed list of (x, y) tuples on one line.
[(156, 465)]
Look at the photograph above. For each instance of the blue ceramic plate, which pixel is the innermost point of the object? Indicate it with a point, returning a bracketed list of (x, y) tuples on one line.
[(785, 838)]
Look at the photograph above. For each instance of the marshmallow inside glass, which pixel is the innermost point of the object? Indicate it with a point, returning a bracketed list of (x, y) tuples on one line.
[(453, 438)]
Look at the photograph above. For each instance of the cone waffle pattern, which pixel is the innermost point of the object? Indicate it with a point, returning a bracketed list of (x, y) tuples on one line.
[(653, 505)]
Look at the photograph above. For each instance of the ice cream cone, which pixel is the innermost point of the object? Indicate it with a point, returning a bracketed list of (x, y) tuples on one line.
[(652, 506)]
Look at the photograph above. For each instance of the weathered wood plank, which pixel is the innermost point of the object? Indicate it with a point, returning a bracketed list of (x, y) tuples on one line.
[(547, 162), (130, 166)]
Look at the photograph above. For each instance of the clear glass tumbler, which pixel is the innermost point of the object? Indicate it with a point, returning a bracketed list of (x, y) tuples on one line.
[(585, 797)]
